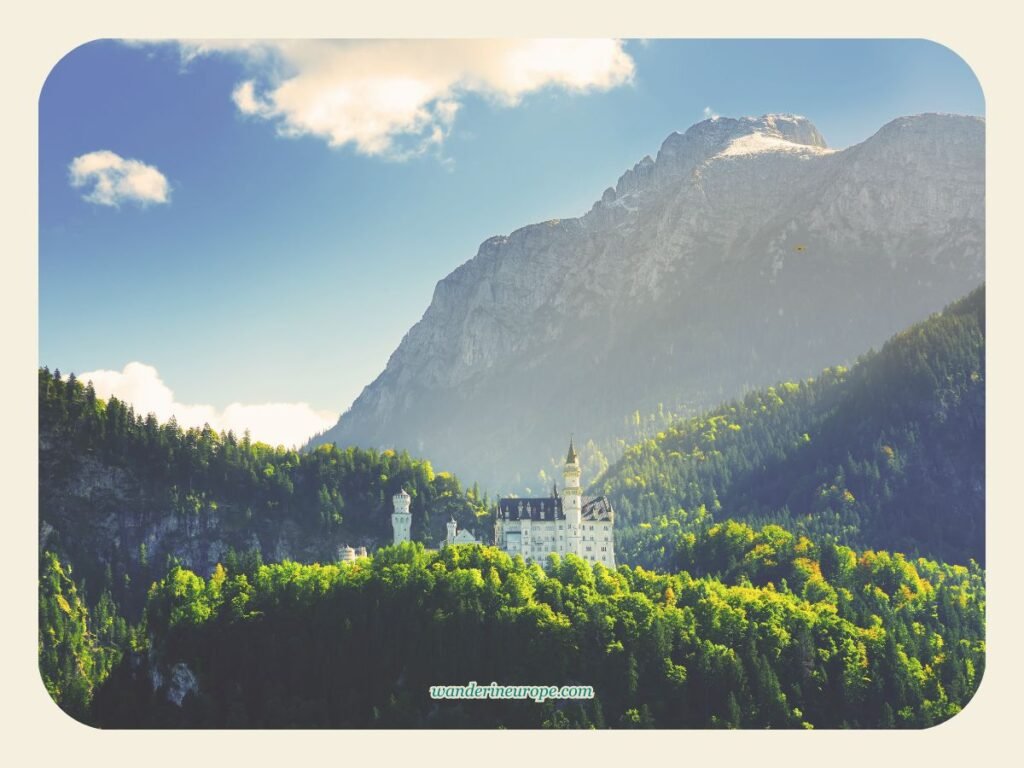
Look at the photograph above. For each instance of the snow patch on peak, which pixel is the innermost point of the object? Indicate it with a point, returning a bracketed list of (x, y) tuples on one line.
[(717, 130), (681, 153), (795, 129), (757, 143)]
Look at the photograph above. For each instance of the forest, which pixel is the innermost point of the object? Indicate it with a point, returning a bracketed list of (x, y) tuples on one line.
[(889, 453), (778, 632), (120, 493), (123, 498)]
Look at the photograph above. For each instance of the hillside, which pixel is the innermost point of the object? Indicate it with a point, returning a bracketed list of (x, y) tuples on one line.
[(746, 252), (888, 454), (120, 495)]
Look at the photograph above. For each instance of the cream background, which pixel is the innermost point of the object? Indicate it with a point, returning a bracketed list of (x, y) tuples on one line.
[(38, 36)]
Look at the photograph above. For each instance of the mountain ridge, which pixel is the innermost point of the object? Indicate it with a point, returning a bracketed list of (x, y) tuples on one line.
[(889, 454), (556, 300)]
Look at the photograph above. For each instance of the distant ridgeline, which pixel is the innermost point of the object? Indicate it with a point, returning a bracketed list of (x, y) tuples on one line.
[(889, 454)]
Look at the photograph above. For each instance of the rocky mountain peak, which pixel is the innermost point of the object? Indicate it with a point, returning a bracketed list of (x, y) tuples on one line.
[(746, 251), (681, 153), (712, 136), (716, 132)]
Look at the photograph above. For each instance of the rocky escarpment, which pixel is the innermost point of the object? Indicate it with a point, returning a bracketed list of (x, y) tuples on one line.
[(120, 531), (746, 251)]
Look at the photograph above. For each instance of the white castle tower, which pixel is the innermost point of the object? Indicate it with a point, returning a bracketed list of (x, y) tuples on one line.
[(452, 526), (401, 518), (572, 500)]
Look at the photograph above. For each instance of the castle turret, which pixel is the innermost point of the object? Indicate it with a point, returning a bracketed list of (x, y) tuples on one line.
[(452, 526), (572, 500), (401, 518)]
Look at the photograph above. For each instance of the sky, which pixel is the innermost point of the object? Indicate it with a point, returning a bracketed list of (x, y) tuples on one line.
[(241, 232)]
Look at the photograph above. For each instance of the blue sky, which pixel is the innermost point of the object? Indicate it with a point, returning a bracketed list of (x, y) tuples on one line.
[(285, 220)]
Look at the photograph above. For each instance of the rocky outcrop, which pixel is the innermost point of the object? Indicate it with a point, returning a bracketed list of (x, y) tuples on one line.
[(178, 682), (120, 531), (746, 251)]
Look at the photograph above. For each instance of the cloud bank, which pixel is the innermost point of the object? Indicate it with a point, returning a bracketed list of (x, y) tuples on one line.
[(112, 179), (397, 99), (288, 424)]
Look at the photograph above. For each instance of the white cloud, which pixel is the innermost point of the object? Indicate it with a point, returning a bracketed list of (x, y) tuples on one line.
[(710, 114), (400, 98), (114, 180), (289, 424)]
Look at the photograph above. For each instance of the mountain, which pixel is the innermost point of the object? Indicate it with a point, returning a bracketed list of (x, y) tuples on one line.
[(887, 455), (746, 252)]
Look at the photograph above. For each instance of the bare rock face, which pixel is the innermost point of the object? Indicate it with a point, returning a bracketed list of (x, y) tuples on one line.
[(745, 252), (183, 682), (179, 682)]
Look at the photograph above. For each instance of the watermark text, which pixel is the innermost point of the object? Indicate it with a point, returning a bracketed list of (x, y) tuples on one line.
[(538, 693)]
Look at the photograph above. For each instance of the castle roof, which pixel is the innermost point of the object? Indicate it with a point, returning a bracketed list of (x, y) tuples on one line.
[(571, 457), (533, 509), (596, 509)]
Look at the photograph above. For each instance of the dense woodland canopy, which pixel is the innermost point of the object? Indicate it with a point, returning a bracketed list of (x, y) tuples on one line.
[(124, 498), (326, 488), (790, 635), (888, 454), (751, 628), (802, 616), (107, 475)]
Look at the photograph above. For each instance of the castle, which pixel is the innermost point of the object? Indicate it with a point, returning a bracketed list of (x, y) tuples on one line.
[(534, 528), (401, 523), (347, 554), (566, 524)]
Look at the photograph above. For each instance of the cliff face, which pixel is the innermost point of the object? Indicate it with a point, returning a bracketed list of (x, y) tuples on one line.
[(745, 252), (107, 513), (117, 529)]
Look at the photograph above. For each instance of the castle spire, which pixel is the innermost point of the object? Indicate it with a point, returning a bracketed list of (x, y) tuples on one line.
[(572, 501)]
